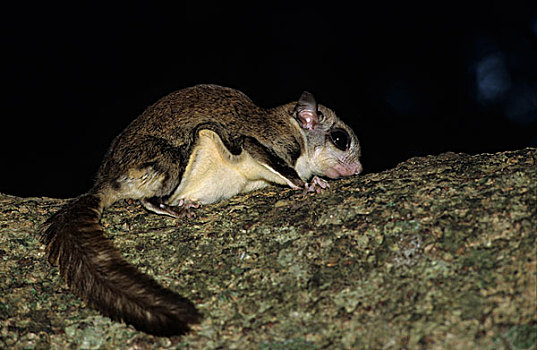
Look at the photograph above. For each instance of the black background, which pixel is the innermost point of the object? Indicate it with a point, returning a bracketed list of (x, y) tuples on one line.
[(411, 78)]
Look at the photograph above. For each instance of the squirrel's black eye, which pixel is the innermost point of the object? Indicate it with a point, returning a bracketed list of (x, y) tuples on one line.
[(341, 139)]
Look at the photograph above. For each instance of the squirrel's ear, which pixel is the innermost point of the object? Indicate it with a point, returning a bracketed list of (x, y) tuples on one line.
[(306, 111)]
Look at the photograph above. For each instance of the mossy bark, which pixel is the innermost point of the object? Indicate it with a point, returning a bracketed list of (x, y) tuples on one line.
[(439, 252)]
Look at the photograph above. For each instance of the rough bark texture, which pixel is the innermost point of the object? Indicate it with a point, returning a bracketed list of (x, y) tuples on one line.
[(437, 253)]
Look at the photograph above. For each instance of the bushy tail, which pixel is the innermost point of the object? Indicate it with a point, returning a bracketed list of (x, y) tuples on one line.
[(97, 273)]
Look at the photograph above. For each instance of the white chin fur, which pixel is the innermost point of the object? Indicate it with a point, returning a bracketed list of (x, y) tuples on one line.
[(332, 173), (340, 170)]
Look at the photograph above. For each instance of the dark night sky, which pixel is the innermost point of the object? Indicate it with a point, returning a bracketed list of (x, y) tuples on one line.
[(410, 78)]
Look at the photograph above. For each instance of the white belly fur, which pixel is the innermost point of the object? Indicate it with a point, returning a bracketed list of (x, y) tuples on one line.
[(214, 174)]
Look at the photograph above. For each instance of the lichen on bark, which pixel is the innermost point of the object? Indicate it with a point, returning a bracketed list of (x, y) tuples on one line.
[(438, 252)]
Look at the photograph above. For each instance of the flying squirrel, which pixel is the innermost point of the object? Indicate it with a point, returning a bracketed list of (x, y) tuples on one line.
[(198, 145)]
